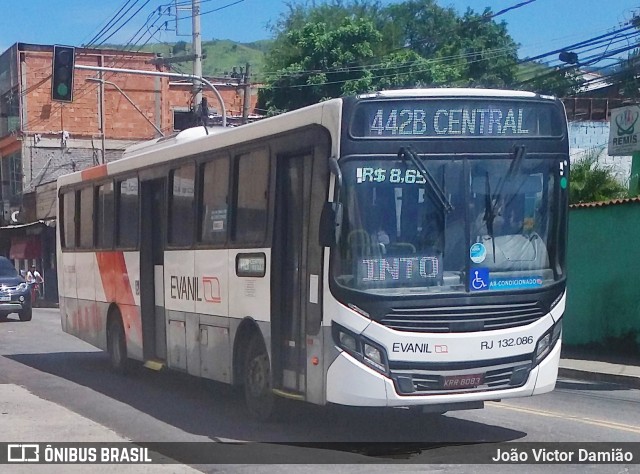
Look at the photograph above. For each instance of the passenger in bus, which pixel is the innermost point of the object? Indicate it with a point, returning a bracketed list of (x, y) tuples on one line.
[(380, 240)]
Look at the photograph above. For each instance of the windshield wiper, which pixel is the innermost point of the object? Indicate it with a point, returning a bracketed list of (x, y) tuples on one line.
[(489, 213), (518, 156), (436, 191), (491, 202)]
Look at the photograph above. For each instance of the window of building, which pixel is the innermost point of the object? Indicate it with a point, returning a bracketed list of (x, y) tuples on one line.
[(12, 178), (182, 119)]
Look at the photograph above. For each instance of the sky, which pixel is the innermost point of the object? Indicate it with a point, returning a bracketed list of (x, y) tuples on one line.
[(539, 26)]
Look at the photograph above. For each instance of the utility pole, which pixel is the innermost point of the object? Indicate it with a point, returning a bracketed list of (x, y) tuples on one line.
[(246, 103), (197, 52), (103, 131)]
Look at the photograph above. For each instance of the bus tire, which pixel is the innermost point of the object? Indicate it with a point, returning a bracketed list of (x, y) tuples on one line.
[(26, 314), (259, 398), (117, 346)]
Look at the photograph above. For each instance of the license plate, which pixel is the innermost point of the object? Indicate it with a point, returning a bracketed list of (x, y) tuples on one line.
[(5, 298), (462, 381)]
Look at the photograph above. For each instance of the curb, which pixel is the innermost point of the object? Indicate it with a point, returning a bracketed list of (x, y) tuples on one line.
[(628, 381)]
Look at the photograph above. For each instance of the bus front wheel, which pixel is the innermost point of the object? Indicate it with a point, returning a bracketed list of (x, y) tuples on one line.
[(258, 394), (117, 346)]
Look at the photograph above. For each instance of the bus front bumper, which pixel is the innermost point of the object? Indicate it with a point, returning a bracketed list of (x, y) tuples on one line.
[(350, 382)]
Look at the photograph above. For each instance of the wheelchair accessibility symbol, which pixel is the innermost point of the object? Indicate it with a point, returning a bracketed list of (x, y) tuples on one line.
[(479, 279)]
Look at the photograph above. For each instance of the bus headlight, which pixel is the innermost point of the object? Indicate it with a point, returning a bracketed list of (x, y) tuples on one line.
[(374, 358), (361, 348), (348, 342), (547, 341)]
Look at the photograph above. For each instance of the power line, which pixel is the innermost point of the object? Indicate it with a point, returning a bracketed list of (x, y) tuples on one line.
[(124, 24), (505, 10), (579, 44), (107, 25)]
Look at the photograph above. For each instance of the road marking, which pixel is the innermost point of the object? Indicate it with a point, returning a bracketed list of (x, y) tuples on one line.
[(563, 416)]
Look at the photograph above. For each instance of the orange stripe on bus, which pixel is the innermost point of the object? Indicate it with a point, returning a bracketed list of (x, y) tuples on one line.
[(117, 289), (115, 277), (94, 172)]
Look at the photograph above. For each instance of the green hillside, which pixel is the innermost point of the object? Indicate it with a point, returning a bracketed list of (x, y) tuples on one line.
[(221, 56)]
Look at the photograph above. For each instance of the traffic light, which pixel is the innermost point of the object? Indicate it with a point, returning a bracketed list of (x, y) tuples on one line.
[(62, 76), (568, 57)]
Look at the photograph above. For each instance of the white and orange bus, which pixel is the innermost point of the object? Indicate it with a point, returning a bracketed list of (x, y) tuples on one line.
[(398, 249)]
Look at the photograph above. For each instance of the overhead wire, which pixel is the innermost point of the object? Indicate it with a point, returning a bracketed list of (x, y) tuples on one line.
[(508, 9), (88, 88), (609, 36), (107, 25), (104, 40)]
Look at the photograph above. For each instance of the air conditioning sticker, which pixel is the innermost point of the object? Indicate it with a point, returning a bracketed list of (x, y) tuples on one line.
[(477, 253)]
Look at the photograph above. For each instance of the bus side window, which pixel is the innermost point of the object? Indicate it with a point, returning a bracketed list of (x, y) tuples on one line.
[(127, 212), (86, 217), (213, 199), (68, 209), (252, 183), (181, 205), (104, 216)]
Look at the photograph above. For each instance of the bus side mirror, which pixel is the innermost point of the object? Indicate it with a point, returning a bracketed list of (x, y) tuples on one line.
[(330, 224)]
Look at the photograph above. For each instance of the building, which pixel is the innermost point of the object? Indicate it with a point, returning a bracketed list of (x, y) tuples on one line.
[(588, 114), (41, 139)]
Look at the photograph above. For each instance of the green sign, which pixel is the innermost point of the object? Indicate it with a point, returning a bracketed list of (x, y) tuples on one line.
[(624, 128)]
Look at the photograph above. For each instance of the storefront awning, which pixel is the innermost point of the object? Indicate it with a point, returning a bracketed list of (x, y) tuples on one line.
[(25, 248)]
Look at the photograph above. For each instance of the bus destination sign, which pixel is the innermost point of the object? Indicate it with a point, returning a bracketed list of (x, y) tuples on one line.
[(451, 119)]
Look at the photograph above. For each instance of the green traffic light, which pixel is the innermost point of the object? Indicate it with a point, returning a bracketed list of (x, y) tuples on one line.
[(62, 73), (62, 90)]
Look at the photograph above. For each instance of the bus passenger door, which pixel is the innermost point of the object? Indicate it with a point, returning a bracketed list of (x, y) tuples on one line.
[(154, 341), (290, 272)]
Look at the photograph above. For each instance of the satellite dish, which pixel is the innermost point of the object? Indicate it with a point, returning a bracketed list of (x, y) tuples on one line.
[(14, 216)]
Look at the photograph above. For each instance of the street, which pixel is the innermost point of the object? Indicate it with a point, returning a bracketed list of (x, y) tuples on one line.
[(148, 406)]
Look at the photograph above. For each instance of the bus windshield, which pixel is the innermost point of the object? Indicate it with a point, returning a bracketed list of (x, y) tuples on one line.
[(488, 227)]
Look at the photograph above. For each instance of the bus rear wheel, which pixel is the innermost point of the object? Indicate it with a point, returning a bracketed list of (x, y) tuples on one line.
[(117, 346), (259, 398)]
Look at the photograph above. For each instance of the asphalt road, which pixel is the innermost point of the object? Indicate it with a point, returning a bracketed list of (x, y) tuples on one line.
[(148, 406)]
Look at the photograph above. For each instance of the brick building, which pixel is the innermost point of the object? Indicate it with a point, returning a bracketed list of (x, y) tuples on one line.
[(41, 139)]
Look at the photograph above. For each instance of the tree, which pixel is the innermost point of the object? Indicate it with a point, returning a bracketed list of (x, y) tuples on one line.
[(561, 82), (591, 181), (346, 47), (488, 54), (319, 62), (179, 47), (480, 49)]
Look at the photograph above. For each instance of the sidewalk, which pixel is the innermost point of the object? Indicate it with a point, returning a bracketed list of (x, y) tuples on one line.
[(28, 418), (597, 371)]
